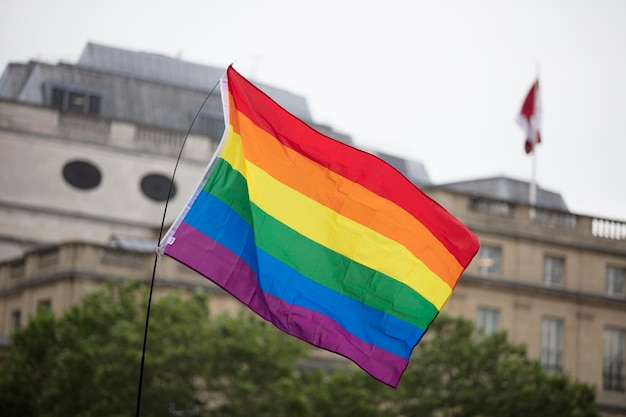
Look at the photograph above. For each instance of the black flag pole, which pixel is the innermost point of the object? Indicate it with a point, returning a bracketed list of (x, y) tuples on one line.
[(156, 255)]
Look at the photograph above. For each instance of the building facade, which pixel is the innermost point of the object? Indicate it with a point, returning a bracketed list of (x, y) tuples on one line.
[(88, 149), (87, 152), (551, 279)]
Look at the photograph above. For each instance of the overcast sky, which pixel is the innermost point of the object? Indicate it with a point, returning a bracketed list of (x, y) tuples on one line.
[(436, 81)]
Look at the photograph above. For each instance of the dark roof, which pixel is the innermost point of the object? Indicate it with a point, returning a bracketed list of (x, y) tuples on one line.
[(149, 66), (176, 72), (123, 98), (508, 189), (138, 87)]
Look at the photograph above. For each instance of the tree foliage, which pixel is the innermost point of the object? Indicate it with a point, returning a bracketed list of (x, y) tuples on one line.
[(86, 363), (457, 372)]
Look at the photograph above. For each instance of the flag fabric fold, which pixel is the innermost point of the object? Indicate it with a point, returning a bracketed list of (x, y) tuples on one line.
[(529, 118), (327, 242)]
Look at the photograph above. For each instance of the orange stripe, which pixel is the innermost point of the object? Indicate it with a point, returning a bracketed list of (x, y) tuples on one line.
[(345, 197), (358, 166)]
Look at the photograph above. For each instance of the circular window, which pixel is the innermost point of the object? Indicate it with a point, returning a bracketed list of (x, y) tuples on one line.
[(81, 174), (156, 187)]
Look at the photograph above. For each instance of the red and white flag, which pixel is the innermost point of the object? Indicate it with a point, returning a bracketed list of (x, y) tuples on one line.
[(529, 118)]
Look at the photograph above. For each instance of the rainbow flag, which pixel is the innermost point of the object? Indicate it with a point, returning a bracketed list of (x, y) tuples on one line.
[(327, 242)]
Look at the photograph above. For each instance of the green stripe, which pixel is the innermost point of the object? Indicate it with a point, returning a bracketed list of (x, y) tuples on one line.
[(340, 273), (317, 262), (231, 187)]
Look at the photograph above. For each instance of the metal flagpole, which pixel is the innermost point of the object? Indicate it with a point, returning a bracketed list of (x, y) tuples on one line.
[(533, 175), (156, 255), (532, 196)]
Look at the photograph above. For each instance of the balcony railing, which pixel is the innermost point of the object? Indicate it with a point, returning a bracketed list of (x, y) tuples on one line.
[(558, 219), (95, 129), (570, 224), (495, 207), (608, 229)]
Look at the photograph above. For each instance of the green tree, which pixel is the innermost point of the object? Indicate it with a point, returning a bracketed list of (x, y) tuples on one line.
[(347, 393), (26, 368), (252, 368), (457, 372), (86, 363)]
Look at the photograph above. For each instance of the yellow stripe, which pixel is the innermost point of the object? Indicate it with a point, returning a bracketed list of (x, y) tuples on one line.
[(346, 197), (232, 152), (330, 229)]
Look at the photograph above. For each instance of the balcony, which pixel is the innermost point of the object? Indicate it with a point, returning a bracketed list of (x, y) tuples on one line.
[(46, 122), (485, 215), (92, 262)]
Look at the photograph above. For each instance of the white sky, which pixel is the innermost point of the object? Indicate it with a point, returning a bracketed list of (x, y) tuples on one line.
[(439, 81)]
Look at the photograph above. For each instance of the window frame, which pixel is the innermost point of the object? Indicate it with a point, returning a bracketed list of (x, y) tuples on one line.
[(551, 343), (487, 320), (58, 96), (610, 280), (45, 303), (82, 174), (16, 320), (155, 187), (614, 363), (494, 268), (549, 278)]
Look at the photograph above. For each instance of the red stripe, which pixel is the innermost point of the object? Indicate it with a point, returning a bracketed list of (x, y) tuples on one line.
[(353, 164)]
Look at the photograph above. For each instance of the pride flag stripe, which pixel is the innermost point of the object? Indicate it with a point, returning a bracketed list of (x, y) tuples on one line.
[(364, 207), (285, 127), (279, 279), (370, 286), (386, 294), (342, 235)]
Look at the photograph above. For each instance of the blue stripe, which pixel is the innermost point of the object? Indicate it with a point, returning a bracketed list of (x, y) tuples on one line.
[(217, 220), (368, 324), (214, 218)]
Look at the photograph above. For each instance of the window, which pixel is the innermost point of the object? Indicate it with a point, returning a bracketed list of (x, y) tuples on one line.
[(487, 320), (16, 319), (482, 205), (553, 267), (613, 367), (489, 260), (93, 105), (16, 269), (82, 174), (157, 187), (614, 282), (551, 344), (75, 99), (45, 303), (58, 98)]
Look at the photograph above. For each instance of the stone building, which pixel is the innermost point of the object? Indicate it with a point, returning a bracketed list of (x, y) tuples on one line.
[(87, 152), (88, 149), (552, 279)]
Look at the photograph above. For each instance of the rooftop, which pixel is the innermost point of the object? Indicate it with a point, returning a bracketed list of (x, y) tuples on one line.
[(139, 87), (508, 189)]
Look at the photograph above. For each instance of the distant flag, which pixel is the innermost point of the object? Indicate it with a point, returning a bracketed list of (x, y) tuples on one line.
[(327, 242), (529, 118)]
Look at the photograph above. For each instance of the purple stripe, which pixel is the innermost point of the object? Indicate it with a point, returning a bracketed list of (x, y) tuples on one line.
[(212, 260)]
